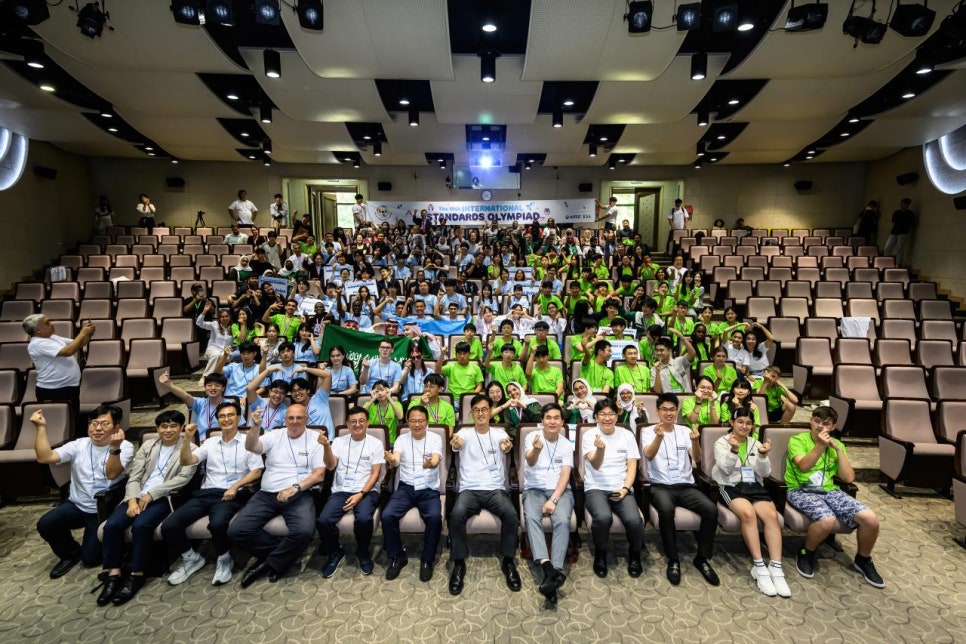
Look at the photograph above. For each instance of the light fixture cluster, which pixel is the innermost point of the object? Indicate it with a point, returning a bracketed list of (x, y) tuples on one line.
[(92, 18), (910, 20), (264, 12)]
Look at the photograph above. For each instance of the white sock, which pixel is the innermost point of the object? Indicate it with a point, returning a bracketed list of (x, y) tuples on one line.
[(225, 557), (775, 564), (759, 563)]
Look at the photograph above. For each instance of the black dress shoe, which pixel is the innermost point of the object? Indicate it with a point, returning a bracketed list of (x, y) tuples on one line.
[(112, 584), (600, 563), (63, 567), (425, 570), (512, 576), (131, 587), (396, 566), (704, 567), (273, 576), (674, 572), (552, 580), (260, 569), (634, 565), (456, 577)]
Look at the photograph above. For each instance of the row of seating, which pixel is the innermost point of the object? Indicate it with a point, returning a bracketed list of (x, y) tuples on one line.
[(707, 263), (114, 233), (721, 275), (764, 307), (776, 289)]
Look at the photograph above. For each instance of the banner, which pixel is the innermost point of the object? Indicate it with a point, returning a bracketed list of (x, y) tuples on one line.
[(564, 212), (443, 327), (359, 345), (350, 289), (279, 283)]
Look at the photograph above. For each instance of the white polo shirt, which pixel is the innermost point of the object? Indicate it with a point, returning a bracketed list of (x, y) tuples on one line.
[(355, 461), (412, 453), (619, 448), (53, 371), (243, 210), (545, 473), (672, 464), (227, 462), (88, 469), (481, 460), (288, 461)]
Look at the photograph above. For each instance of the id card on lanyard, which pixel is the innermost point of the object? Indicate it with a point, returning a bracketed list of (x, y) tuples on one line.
[(102, 484)]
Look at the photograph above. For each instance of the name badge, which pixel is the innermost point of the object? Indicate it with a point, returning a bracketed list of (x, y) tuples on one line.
[(302, 474), (673, 472), (747, 474), (817, 478), (496, 470), (351, 480)]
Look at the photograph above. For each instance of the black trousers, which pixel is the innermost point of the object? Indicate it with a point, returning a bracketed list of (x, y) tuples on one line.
[(280, 552), (202, 503), (665, 498), (468, 504)]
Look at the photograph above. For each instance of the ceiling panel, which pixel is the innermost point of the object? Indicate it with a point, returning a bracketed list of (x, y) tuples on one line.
[(780, 135), (905, 132), (948, 98), (197, 131), (509, 100)]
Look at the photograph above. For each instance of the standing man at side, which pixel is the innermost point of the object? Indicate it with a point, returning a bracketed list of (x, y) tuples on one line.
[(678, 220), (279, 212), (903, 221), (360, 212), (58, 373), (242, 210)]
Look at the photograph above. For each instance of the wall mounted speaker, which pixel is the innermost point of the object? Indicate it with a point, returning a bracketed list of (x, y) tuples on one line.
[(44, 172), (907, 178), (960, 203), (803, 185), (585, 187), (384, 186), (174, 182)]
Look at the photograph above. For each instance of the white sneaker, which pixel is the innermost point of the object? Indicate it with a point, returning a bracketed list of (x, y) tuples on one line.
[(190, 564), (765, 585), (778, 580), (222, 570)]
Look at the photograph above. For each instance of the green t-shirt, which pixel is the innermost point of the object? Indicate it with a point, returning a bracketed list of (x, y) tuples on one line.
[(287, 326), (639, 377), (704, 411), (724, 413), (648, 272), (476, 349), (462, 380), (821, 473), (574, 353), (646, 349), (598, 376), (544, 300), (665, 305), (552, 347), (773, 395), (627, 291), (506, 375), (728, 376), (545, 382), (498, 343), (602, 272), (685, 326), (386, 417), (442, 413)]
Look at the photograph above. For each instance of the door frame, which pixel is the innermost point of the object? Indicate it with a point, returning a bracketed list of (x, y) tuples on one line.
[(644, 192)]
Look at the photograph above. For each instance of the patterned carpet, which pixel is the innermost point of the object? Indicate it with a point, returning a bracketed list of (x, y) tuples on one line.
[(924, 598)]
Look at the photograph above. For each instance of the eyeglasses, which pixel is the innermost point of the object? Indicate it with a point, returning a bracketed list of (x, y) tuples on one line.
[(481, 410), (226, 415), (606, 414), (169, 426), (667, 410), (101, 423)]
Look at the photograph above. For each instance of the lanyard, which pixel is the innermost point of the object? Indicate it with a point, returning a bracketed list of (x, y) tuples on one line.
[(234, 469), (433, 412), (747, 451), (381, 416), (163, 468), (337, 384), (94, 467), (348, 457), (412, 447), (271, 419), (556, 444), (492, 448), (294, 459), (667, 451), (210, 413)]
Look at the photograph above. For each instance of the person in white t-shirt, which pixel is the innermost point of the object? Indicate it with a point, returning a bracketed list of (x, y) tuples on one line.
[(548, 461), (677, 219), (417, 454), (610, 214), (97, 462), (357, 460), (670, 374), (611, 456), (482, 485), (228, 467), (293, 464), (53, 356), (279, 212), (360, 212), (242, 210), (672, 451)]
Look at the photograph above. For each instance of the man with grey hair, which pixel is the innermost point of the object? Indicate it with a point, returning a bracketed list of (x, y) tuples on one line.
[(58, 373)]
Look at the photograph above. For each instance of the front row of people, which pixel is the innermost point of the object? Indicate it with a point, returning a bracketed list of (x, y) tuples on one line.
[(278, 521)]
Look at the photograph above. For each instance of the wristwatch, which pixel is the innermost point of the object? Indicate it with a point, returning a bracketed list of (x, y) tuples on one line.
[(116, 452), (298, 488), (627, 488), (554, 500)]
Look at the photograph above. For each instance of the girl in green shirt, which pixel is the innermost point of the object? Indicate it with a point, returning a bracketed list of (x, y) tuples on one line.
[(702, 408), (740, 396), (243, 330), (722, 374), (383, 409), (701, 344)]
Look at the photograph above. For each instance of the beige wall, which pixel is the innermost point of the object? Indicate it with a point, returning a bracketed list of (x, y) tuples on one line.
[(938, 241), (43, 217)]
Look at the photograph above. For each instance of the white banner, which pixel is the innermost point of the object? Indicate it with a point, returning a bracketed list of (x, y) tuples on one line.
[(350, 289), (565, 212)]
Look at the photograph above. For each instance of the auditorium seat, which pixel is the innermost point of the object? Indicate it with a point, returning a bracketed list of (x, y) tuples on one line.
[(883, 261), (898, 310), (935, 310), (855, 261), (813, 367), (131, 290), (904, 382), (98, 290), (484, 522), (20, 473), (105, 353), (102, 385), (825, 289), (524, 431), (13, 332), (769, 288), (9, 387), (180, 339), (13, 355), (760, 308), (889, 291), (959, 484), (827, 307), (32, 291), (909, 452), (940, 330), (922, 291), (65, 291), (892, 351), (855, 396), (863, 308), (949, 383), (867, 275), (934, 353), (862, 290)]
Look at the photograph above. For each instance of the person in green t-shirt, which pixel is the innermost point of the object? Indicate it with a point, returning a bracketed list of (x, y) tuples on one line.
[(665, 302), (595, 370), (464, 376), (729, 325), (288, 323), (383, 409), (626, 288), (505, 371), (739, 396), (722, 374), (476, 347), (541, 331), (440, 412), (546, 296), (573, 296), (648, 269), (702, 408), (633, 372), (542, 376), (679, 319), (814, 460), (506, 337), (780, 401), (584, 343)]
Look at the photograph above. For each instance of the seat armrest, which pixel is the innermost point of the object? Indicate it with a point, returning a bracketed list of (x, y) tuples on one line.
[(778, 491), (849, 488), (108, 499), (707, 485)]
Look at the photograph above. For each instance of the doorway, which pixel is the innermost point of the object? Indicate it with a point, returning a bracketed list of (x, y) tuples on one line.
[(646, 207), (331, 206)]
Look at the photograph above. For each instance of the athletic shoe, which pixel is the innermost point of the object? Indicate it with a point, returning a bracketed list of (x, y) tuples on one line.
[(222, 570), (332, 564), (805, 564), (778, 579), (765, 585), (869, 573), (191, 562)]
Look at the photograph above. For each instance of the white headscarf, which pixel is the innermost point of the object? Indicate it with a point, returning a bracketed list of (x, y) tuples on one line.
[(626, 406), (587, 412), (524, 398)]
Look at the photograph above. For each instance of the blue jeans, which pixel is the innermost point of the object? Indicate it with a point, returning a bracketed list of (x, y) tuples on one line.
[(332, 513), (55, 528), (142, 533), (533, 501), (405, 498)]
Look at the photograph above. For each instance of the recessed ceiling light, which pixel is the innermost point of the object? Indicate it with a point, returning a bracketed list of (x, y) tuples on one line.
[(733, 101), (486, 138), (622, 161), (148, 148), (112, 129), (174, 161), (854, 119), (568, 103), (231, 96), (811, 152), (908, 95), (722, 137), (347, 159), (713, 159), (404, 101), (251, 156), (489, 26), (244, 134), (603, 138), (47, 87), (150, 154), (844, 134), (809, 156), (785, 165), (366, 137)]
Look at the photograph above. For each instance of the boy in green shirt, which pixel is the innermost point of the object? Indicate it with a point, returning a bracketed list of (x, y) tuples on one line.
[(632, 372), (464, 376), (781, 402), (702, 408), (541, 330), (814, 459), (505, 337), (383, 409), (595, 371), (440, 411), (626, 288), (648, 269), (476, 347), (505, 371), (546, 296), (542, 376), (583, 343)]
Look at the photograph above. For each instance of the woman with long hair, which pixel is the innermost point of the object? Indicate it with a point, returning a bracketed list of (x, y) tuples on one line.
[(739, 397), (416, 372), (306, 350), (343, 377)]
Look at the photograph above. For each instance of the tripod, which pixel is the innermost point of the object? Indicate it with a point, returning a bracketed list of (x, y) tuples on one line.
[(200, 219)]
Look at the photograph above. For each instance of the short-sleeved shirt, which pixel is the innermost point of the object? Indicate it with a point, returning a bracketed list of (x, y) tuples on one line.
[(553, 349), (462, 379), (773, 395), (239, 377), (599, 376), (545, 382), (389, 373), (53, 371), (672, 463), (639, 377), (272, 417), (288, 461), (243, 210), (412, 453), (822, 473), (227, 463), (88, 470), (287, 326), (385, 417), (704, 410), (619, 447), (440, 413), (356, 459), (481, 460), (203, 415), (545, 473), (728, 376), (342, 379), (506, 375), (498, 343), (676, 378), (543, 301)]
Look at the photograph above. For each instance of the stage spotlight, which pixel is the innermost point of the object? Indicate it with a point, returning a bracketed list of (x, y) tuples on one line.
[(557, 118), (725, 18), (488, 66), (266, 12), (912, 20), (413, 118), (310, 14), (699, 66), (91, 20), (265, 113), (639, 17), (806, 17), (27, 12), (688, 16), (273, 63), (186, 12), (221, 12), (377, 149)]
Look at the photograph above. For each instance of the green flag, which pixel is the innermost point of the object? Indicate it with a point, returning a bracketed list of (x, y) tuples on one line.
[(358, 345)]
